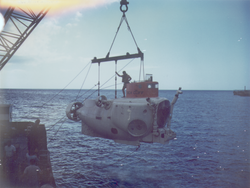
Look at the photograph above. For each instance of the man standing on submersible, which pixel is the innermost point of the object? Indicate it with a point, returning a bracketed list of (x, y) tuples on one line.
[(125, 79)]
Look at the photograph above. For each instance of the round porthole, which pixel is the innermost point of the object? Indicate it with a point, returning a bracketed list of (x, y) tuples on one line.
[(114, 130), (137, 127)]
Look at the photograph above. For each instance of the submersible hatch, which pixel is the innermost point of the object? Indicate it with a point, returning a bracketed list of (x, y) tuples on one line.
[(141, 116)]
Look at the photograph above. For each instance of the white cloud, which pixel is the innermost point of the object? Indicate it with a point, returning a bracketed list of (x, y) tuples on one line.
[(69, 25), (78, 15)]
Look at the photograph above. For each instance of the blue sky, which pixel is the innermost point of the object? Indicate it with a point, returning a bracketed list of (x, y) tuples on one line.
[(195, 44)]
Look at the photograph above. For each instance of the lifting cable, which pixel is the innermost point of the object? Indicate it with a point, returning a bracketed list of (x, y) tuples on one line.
[(60, 92), (62, 89), (97, 84), (115, 74), (86, 93), (125, 3), (104, 82), (126, 20), (83, 82), (67, 84), (65, 118), (60, 126), (55, 124), (88, 96), (119, 160)]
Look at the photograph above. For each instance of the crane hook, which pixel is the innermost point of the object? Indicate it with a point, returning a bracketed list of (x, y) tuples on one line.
[(124, 2)]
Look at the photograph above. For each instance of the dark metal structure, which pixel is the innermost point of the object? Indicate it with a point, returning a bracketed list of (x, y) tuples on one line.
[(19, 24)]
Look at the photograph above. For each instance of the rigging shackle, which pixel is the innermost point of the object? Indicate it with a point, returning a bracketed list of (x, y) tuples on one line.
[(124, 2)]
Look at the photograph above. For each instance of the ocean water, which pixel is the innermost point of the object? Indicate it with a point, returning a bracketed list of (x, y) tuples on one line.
[(211, 149)]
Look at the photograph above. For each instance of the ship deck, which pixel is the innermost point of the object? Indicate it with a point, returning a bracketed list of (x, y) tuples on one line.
[(18, 134)]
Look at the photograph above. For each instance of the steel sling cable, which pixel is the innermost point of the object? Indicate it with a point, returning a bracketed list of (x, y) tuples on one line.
[(106, 81), (111, 86), (85, 93), (125, 18), (121, 21), (87, 97), (115, 36), (68, 83), (118, 71), (65, 118), (84, 81), (63, 88), (61, 91), (142, 61)]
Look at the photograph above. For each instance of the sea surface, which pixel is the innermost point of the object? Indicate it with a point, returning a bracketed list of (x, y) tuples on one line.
[(211, 149)]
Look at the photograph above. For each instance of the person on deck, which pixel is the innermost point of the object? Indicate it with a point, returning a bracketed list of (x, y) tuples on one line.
[(33, 136), (32, 155), (125, 79), (31, 174), (10, 155)]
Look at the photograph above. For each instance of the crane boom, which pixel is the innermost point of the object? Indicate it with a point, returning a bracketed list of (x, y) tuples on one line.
[(22, 23)]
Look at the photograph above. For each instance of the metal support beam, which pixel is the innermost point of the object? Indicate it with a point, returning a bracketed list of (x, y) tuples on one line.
[(115, 79), (99, 72), (22, 22), (116, 58)]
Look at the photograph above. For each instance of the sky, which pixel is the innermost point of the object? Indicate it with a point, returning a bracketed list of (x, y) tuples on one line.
[(193, 44)]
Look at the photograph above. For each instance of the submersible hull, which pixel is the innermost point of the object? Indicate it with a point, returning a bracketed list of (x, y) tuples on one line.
[(126, 120)]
